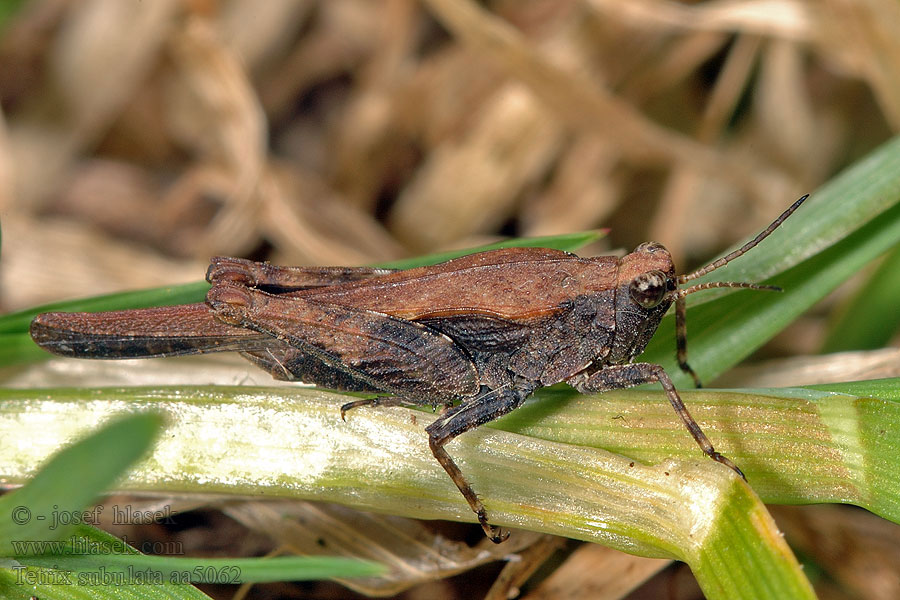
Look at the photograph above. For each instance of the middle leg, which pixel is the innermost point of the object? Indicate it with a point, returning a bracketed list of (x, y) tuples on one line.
[(461, 419)]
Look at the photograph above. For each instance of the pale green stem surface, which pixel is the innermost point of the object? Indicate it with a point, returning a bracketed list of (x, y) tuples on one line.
[(292, 443)]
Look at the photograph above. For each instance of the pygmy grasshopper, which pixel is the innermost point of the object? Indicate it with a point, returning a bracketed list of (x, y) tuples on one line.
[(484, 330)]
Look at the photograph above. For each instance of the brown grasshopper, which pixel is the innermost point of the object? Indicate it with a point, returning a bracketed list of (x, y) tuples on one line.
[(484, 330)]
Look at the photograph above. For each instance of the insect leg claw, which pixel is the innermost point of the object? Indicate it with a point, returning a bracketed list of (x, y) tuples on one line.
[(495, 534), (728, 463)]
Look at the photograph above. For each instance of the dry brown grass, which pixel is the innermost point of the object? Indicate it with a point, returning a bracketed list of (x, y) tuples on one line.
[(140, 138)]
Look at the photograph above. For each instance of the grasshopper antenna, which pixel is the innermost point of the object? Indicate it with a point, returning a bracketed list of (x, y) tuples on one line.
[(740, 251), (680, 305)]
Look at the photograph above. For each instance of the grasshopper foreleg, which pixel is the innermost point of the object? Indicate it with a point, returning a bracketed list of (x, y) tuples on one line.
[(615, 377)]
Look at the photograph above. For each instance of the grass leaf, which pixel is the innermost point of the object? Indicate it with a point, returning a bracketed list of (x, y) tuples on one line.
[(871, 318)]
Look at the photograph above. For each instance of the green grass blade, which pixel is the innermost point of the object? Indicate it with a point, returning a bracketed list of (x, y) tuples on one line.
[(8, 10), (64, 578), (96, 555), (206, 570), (19, 348), (871, 318), (885, 389), (740, 558)]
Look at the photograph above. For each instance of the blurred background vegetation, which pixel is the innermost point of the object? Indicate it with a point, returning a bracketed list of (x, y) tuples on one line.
[(140, 138)]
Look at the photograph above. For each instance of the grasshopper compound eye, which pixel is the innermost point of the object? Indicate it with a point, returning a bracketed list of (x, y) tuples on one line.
[(648, 289)]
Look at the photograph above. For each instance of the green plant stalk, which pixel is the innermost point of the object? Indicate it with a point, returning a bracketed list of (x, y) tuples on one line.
[(292, 443), (796, 446)]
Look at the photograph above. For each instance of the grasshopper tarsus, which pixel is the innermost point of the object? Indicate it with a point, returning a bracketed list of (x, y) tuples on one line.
[(350, 406), (684, 366), (495, 534), (719, 458)]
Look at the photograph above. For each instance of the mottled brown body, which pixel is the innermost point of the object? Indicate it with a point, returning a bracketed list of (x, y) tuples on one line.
[(480, 332)]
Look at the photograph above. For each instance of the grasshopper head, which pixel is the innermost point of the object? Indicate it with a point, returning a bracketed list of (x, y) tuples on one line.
[(646, 287), (649, 275)]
